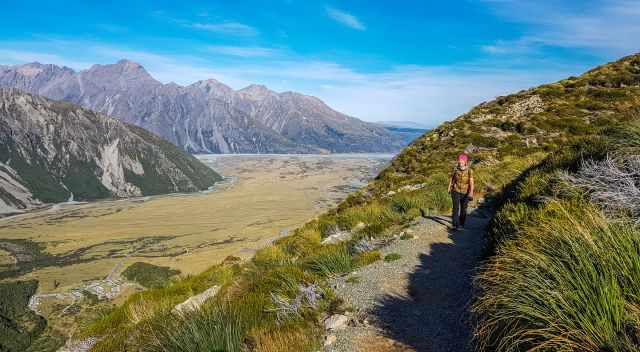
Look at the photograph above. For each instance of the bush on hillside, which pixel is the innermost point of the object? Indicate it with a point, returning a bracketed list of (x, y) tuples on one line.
[(612, 184), (149, 275)]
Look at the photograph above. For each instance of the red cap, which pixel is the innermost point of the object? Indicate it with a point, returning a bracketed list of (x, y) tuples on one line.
[(463, 157)]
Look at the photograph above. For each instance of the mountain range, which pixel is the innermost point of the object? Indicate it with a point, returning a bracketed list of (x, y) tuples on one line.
[(207, 116), (53, 151)]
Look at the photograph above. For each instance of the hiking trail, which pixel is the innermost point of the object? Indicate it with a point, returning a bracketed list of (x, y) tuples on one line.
[(419, 302)]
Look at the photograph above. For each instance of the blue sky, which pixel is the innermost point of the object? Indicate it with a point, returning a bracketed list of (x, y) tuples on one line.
[(424, 61)]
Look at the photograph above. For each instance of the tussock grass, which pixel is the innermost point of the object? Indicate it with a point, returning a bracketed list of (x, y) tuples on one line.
[(331, 260), (216, 327), (285, 339), (375, 216), (366, 258), (302, 243), (566, 283), (271, 256)]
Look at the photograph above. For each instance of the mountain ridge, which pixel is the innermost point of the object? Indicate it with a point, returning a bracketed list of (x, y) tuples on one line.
[(54, 151), (206, 116)]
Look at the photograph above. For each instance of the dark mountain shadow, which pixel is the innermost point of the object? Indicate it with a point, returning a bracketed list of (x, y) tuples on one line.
[(434, 315)]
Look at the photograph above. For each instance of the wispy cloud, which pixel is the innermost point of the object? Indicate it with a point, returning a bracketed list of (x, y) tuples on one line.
[(345, 18), (244, 51), (608, 27), (229, 28)]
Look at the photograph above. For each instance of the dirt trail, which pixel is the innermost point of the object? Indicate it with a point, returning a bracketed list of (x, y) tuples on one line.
[(419, 302)]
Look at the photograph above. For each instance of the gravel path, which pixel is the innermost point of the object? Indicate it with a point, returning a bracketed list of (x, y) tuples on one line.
[(419, 302)]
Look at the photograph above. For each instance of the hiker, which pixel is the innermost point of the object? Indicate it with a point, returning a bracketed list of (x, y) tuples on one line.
[(461, 190)]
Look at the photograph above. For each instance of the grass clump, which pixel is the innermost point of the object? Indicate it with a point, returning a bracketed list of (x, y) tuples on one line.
[(368, 257), (353, 279), (284, 339), (406, 236), (149, 275), (391, 257), (331, 260), (271, 256)]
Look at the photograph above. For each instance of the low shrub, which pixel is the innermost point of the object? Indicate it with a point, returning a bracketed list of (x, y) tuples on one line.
[(392, 257)]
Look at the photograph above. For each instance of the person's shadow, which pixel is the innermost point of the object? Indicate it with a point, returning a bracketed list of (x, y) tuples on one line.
[(434, 315)]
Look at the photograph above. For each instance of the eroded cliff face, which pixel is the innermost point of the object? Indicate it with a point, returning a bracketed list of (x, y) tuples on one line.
[(55, 151), (207, 116)]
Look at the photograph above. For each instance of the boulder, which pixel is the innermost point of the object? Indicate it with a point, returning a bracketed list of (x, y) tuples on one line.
[(337, 237), (79, 346), (336, 322), (195, 302)]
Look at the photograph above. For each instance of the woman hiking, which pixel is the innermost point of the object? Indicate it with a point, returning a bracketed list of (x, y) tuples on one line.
[(461, 190)]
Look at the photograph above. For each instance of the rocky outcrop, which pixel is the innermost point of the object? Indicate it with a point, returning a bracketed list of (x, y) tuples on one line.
[(195, 302), (54, 151), (207, 116)]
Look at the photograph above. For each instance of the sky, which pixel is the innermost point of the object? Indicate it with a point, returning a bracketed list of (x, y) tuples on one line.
[(403, 60)]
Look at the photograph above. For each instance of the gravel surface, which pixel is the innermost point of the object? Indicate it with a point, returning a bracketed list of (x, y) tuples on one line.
[(418, 302)]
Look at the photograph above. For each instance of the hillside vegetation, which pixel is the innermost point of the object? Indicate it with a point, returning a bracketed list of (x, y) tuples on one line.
[(519, 142), (565, 273)]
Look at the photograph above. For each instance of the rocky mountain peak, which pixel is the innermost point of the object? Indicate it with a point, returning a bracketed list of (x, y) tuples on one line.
[(255, 92), (123, 69), (213, 86)]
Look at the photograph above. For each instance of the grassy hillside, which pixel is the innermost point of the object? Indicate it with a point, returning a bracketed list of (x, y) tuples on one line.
[(565, 272), (274, 302)]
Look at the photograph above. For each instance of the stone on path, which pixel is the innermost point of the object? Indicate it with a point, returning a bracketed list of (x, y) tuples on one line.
[(330, 339), (336, 321)]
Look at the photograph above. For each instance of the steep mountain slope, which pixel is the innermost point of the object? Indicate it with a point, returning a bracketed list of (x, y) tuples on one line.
[(52, 151), (207, 116)]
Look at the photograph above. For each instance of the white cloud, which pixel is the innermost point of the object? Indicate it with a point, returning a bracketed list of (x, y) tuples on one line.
[(244, 51), (230, 28), (607, 27), (345, 18)]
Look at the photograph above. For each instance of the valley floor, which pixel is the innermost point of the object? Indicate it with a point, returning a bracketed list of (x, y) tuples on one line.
[(420, 301), (72, 248)]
